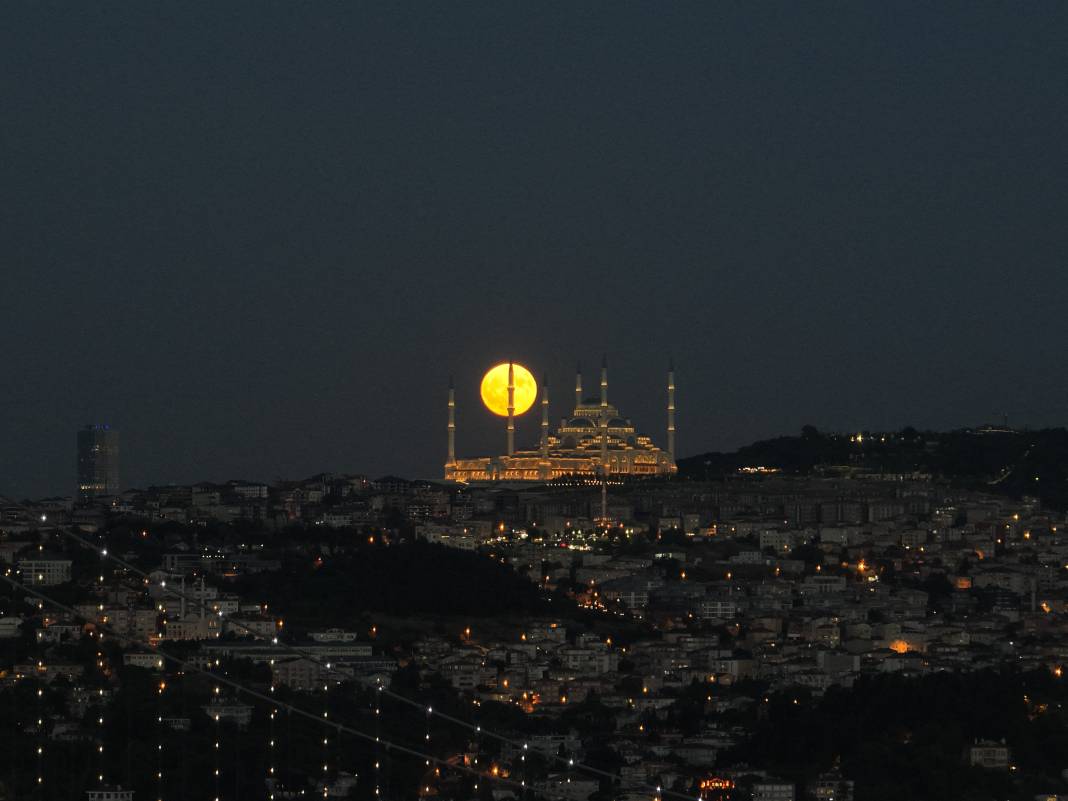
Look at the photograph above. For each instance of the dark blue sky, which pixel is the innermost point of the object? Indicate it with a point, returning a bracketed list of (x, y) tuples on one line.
[(257, 237)]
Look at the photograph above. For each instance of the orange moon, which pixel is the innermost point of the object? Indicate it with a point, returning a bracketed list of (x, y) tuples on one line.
[(494, 389)]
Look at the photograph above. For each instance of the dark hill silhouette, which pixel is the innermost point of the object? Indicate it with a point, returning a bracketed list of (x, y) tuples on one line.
[(417, 579), (997, 459)]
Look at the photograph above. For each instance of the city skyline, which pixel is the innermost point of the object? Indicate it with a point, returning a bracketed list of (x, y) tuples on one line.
[(97, 451), (488, 436)]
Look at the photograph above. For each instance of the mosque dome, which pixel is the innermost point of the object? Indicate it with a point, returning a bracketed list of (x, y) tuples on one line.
[(580, 422)]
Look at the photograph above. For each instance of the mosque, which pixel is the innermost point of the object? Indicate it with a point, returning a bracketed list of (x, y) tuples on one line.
[(595, 441)]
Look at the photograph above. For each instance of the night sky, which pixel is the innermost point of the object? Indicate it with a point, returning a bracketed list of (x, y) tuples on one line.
[(258, 237)]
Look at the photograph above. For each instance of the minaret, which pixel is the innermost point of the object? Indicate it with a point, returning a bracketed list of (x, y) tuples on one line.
[(671, 409), (578, 385), (604, 413), (604, 387), (545, 417), (452, 423), (511, 409)]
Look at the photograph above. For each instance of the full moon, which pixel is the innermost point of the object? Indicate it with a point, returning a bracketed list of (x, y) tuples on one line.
[(495, 389)]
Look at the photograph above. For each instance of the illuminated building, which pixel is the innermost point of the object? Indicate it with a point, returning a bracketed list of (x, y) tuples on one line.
[(773, 791), (98, 462), (45, 571), (989, 754), (594, 441), (109, 794), (716, 789)]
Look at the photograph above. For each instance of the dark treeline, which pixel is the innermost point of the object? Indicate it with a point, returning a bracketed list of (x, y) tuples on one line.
[(415, 579), (1015, 463), (901, 737)]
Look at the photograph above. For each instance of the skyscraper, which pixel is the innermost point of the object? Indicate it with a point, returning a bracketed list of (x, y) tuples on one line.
[(98, 462)]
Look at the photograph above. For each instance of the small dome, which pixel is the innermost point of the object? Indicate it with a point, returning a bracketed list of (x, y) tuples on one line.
[(583, 422), (618, 422)]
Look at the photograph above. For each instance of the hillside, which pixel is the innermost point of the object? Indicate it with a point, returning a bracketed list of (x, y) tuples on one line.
[(1015, 463)]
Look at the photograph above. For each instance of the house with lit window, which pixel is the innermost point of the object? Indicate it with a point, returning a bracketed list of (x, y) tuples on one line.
[(989, 754), (109, 794), (773, 791), (45, 570)]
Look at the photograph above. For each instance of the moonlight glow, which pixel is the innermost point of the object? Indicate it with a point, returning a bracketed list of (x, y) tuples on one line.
[(495, 389)]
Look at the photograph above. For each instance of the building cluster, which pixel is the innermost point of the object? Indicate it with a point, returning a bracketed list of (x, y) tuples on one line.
[(330, 500), (761, 584), (792, 583)]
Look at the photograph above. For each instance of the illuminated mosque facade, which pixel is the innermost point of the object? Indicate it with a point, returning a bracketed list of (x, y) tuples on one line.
[(595, 441)]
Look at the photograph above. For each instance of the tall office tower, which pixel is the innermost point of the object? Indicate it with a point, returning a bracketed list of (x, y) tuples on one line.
[(98, 462)]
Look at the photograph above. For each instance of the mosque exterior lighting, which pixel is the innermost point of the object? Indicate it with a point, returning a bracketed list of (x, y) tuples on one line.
[(594, 441)]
